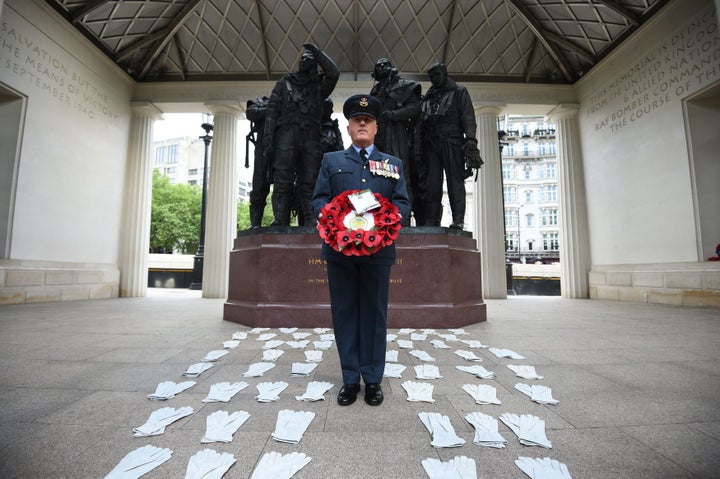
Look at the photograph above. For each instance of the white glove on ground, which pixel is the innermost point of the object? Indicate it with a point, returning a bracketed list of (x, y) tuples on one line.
[(545, 468), (391, 356), (258, 369), (272, 354), (195, 370), (265, 337), (239, 335), (439, 344), (486, 430), (273, 343), (389, 337), (404, 344), (406, 331), (209, 464), (287, 330), (321, 330), (274, 465), (525, 372), (214, 355), (393, 370), (427, 371), (140, 461), (322, 344), (315, 391), (159, 419), (168, 390), (220, 426), (258, 330), (300, 336), (442, 431), (506, 353), (538, 393), (231, 344), (418, 392), (270, 392), (473, 344), (482, 393), (327, 337), (529, 429), (291, 425), (428, 331), (313, 356), (223, 392), (421, 355), (469, 355), (448, 337), (437, 469), (418, 337), (302, 369), (458, 331), (298, 344), (478, 371)]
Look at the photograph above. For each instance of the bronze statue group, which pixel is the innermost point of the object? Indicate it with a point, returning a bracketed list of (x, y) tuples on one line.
[(434, 135)]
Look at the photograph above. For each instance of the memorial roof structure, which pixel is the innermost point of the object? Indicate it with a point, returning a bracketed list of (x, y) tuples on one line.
[(510, 41)]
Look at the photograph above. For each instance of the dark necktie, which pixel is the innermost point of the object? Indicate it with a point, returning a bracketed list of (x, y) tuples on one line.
[(364, 155)]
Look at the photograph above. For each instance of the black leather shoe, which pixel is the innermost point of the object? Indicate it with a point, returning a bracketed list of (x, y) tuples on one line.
[(373, 394), (348, 394)]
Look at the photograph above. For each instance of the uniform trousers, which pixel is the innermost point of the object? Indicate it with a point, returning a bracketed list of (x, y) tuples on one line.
[(359, 298), (444, 156)]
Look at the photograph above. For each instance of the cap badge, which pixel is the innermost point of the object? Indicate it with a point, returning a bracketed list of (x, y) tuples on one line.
[(363, 102)]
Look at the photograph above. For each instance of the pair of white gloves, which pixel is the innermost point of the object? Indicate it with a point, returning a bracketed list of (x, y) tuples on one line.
[(418, 337), (441, 430), (302, 369), (322, 344), (291, 425), (213, 356), (486, 430), (231, 344), (274, 465), (209, 464), (168, 390), (473, 344), (544, 468), (394, 370), (273, 343), (529, 429), (258, 369), (421, 355), (506, 353), (313, 356), (537, 393), (272, 354), (478, 371), (269, 392), (482, 393), (460, 467), (418, 392), (427, 371), (469, 355), (300, 336), (223, 392), (221, 425), (159, 419), (391, 356), (139, 462), (439, 344), (404, 344), (195, 370), (239, 335), (315, 391), (524, 371), (265, 337), (298, 344)]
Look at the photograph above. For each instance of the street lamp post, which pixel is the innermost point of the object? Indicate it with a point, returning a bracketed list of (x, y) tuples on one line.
[(519, 227), (197, 273)]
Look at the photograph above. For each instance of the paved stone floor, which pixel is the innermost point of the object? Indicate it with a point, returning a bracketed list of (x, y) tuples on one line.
[(638, 388)]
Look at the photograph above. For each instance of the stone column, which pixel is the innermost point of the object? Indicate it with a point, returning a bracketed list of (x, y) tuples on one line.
[(221, 215), (574, 234), (489, 214), (135, 242)]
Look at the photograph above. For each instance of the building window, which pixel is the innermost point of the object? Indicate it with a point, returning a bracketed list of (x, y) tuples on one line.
[(527, 172), (510, 149), (526, 149), (528, 196), (507, 171), (549, 216), (529, 220), (509, 194), (548, 193), (192, 171), (548, 170), (551, 241)]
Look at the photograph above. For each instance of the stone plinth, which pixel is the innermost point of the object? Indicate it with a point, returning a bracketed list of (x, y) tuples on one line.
[(277, 279)]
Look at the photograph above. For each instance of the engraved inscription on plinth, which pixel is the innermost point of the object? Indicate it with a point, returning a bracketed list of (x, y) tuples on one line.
[(278, 279)]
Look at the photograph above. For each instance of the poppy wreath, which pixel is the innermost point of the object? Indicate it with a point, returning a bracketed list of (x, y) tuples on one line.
[(358, 242)]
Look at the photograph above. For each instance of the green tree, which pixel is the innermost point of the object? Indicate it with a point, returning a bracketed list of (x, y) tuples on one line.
[(175, 216), (243, 215)]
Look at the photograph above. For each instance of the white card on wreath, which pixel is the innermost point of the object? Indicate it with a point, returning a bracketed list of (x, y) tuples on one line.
[(363, 201)]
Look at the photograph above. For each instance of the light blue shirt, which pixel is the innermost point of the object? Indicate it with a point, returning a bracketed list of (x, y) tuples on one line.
[(369, 149)]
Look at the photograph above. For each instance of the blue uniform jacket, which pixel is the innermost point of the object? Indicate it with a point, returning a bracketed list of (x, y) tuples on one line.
[(344, 170)]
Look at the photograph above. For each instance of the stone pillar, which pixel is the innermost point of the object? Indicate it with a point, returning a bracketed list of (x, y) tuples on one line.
[(221, 215), (489, 215), (135, 242), (574, 234)]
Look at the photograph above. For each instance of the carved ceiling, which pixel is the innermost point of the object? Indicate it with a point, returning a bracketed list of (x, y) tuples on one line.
[(509, 41)]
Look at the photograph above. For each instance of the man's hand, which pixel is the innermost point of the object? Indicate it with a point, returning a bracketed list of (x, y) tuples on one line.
[(312, 48)]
